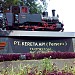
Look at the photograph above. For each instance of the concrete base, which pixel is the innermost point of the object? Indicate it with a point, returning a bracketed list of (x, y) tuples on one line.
[(45, 34), (42, 34), (36, 33), (73, 39)]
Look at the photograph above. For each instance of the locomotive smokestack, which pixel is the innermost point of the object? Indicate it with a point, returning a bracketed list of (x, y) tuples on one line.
[(45, 14), (53, 12)]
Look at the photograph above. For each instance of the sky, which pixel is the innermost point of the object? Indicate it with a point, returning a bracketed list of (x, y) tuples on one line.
[(66, 11)]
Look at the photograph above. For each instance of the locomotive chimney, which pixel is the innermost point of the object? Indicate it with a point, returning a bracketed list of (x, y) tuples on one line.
[(53, 13), (45, 14)]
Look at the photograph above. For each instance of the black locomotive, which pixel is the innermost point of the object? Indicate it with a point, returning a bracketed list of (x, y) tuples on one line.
[(19, 18)]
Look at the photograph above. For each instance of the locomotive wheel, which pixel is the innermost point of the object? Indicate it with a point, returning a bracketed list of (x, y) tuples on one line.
[(62, 30), (3, 28)]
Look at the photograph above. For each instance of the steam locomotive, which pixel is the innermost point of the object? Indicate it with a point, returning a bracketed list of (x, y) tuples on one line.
[(19, 18)]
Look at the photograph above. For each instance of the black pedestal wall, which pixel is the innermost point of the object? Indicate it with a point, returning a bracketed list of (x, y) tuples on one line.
[(23, 44)]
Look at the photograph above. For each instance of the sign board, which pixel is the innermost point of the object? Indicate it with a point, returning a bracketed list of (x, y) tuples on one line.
[(39, 44)]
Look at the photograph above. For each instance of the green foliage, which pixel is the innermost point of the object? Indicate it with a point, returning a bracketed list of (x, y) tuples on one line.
[(47, 64), (12, 2), (66, 68), (23, 69), (32, 5)]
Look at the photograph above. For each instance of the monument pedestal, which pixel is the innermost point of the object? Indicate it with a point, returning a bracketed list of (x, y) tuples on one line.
[(39, 41)]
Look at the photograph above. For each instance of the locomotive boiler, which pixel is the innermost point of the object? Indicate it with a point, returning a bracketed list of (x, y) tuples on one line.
[(19, 18)]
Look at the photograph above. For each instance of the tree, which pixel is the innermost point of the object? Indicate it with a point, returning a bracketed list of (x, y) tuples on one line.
[(33, 6), (45, 4), (7, 3)]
